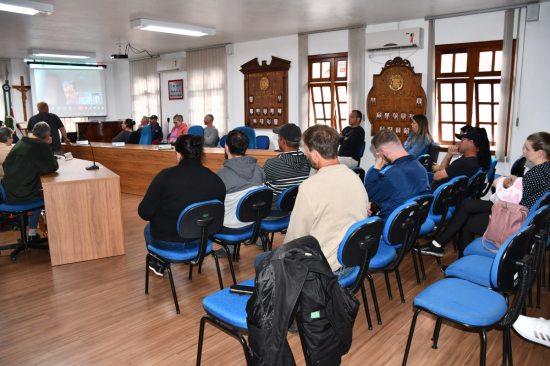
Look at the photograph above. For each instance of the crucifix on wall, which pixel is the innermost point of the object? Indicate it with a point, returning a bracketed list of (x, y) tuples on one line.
[(23, 89)]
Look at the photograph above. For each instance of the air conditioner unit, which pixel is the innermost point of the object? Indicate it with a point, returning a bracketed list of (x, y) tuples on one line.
[(395, 39), (170, 65)]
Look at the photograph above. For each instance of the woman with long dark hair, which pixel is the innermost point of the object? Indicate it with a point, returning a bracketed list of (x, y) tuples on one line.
[(175, 188), (420, 138), (472, 217), (127, 128)]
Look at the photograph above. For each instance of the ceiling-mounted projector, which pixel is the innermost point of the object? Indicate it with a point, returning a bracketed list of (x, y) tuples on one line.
[(118, 56)]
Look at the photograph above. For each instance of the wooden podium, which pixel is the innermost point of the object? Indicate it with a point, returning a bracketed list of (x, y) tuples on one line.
[(83, 212)]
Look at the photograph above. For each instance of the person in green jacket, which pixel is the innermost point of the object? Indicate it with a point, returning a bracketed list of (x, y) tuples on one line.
[(30, 158)]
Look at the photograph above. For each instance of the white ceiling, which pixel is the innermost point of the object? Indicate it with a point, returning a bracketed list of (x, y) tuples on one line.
[(98, 25)]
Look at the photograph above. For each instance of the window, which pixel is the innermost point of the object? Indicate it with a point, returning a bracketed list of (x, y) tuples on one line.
[(468, 87), (328, 90)]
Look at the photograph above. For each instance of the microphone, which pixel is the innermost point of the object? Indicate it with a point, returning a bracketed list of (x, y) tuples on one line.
[(93, 166)]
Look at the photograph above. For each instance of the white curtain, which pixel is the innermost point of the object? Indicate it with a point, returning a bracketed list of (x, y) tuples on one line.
[(356, 69), (207, 86), (505, 81), (430, 79), (303, 78), (145, 85)]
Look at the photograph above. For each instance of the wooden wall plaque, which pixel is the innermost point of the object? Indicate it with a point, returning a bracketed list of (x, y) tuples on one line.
[(396, 95), (266, 93)]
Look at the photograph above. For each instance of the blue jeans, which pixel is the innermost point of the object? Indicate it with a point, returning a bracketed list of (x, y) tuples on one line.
[(33, 220), (161, 244)]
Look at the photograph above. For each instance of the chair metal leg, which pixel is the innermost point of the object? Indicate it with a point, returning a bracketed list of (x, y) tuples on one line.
[(366, 305), (504, 347), (200, 267), (509, 347), (422, 269), (539, 280), (399, 285), (388, 287), (374, 299), (409, 339), (271, 241), (483, 351), (173, 288), (190, 271), (415, 264), (437, 329), (201, 338), (530, 298), (233, 332), (218, 270), (147, 273), (231, 269)]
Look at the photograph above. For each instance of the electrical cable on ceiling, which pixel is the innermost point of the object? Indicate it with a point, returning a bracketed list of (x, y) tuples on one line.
[(137, 51)]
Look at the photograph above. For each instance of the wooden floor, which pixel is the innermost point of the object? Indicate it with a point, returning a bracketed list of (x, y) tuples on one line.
[(96, 313)]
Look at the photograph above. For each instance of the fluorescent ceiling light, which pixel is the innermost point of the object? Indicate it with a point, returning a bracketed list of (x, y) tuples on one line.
[(64, 67), (62, 54), (174, 28), (25, 7)]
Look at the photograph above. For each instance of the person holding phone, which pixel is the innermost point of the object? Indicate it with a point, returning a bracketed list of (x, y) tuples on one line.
[(395, 177)]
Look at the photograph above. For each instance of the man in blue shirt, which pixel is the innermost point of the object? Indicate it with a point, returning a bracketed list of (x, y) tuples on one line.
[(395, 177), (156, 130)]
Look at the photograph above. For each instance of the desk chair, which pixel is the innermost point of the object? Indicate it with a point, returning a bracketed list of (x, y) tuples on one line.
[(253, 207), (196, 130), (262, 142), (20, 210), (250, 133), (355, 251), (195, 224), (477, 307), (277, 224)]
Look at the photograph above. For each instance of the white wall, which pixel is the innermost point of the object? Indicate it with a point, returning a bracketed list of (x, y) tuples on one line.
[(119, 99), (171, 107), (327, 42)]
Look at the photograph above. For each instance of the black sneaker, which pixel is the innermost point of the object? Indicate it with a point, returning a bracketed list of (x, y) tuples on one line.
[(156, 267), (432, 250)]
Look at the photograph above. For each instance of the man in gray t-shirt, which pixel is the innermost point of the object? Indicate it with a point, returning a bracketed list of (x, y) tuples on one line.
[(211, 137)]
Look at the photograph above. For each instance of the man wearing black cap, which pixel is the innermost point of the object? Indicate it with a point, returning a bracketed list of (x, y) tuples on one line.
[(471, 141), (156, 130), (289, 168)]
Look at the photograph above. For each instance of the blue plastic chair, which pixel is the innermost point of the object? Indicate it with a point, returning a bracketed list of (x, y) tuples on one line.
[(250, 133), (490, 176), (146, 137), (20, 210), (425, 226), (222, 140), (196, 130), (262, 142), (195, 224), (253, 207), (361, 152), (476, 184), (355, 251), (277, 224), (478, 307)]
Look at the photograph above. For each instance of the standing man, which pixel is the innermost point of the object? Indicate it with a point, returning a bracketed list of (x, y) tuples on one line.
[(156, 130), (211, 136), (6, 140), (329, 202), (353, 136), (30, 158), (53, 121), (289, 168)]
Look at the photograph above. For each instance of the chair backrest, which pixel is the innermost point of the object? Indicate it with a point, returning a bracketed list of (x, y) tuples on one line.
[(476, 184), (433, 151), (287, 198), (254, 206), (426, 161), (400, 226), (361, 151), (251, 135), (196, 130), (222, 140), (504, 270), (359, 245), (199, 221), (443, 196), (543, 201), (360, 173), (262, 142), (425, 202), (492, 170), (518, 168), (146, 137), (2, 193), (460, 189)]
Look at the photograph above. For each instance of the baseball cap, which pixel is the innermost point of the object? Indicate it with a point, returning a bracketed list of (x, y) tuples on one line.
[(289, 132), (463, 130), (154, 116), (473, 134)]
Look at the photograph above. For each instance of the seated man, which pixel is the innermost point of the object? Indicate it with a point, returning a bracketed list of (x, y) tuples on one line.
[(289, 168), (396, 176), (350, 141), (6, 140), (30, 158), (211, 137), (474, 147), (240, 174), (156, 130), (330, 201)]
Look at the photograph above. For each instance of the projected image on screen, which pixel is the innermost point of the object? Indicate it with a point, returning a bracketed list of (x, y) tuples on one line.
[(70, 92)]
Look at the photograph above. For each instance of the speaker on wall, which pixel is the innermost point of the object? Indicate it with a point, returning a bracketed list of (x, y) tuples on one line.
[(533, 12)]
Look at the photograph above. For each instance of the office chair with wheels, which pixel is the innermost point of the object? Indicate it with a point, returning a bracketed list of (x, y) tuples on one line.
[(195, 224)]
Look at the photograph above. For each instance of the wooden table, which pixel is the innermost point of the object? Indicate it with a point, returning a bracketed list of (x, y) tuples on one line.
[(84, 213), (137, 165)]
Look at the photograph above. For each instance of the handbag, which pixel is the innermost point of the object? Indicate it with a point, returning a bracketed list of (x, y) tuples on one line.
[(505, 220)]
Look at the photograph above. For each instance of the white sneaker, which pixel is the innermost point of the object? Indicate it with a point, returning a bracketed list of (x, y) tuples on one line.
[(534, 329)]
